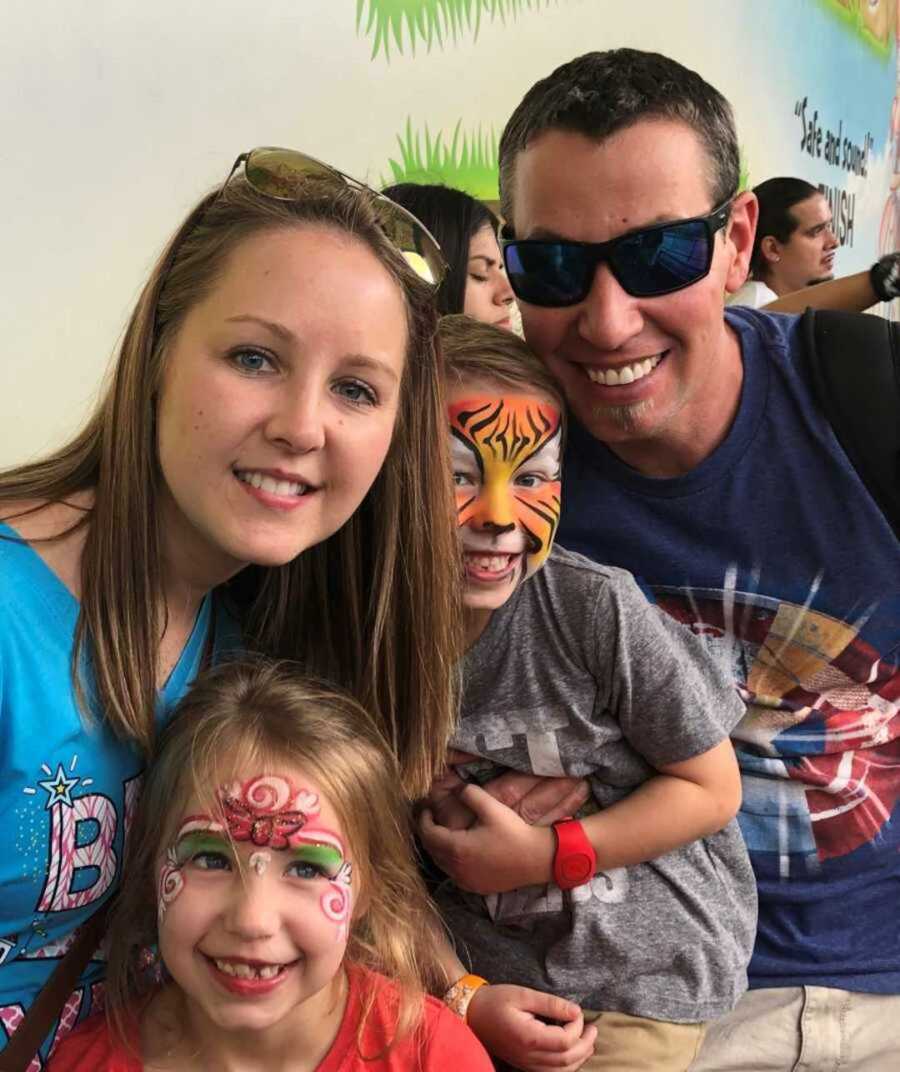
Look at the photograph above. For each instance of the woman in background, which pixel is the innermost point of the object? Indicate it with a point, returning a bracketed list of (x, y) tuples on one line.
[(466, 230)]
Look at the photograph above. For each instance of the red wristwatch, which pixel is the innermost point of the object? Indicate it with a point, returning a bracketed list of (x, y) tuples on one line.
[(575, 861)]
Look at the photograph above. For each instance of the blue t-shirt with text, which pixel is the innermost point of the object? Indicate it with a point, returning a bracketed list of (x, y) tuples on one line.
[(68, 785)]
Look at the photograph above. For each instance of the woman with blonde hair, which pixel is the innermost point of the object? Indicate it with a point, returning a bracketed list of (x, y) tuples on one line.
[(268, 460)]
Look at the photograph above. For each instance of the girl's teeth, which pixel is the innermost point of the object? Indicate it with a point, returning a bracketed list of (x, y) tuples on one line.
[(627, 374), (274, 487), (245, 971)]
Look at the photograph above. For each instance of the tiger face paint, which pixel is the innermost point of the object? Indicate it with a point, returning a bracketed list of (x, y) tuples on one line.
[(505, 450)]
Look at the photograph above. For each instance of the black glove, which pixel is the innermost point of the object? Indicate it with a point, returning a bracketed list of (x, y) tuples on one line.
[(885, 277)]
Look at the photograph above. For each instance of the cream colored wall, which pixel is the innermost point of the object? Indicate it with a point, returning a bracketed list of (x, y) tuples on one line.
[(122, 113), (118, 114)]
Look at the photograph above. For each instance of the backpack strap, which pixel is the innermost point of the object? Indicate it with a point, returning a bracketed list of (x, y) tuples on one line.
[(24, 1043), (854, 365)]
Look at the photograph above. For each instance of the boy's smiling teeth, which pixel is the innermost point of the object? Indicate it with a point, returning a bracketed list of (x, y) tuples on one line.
[(246, 971), (493, 563), (270, 484), (637, 370)]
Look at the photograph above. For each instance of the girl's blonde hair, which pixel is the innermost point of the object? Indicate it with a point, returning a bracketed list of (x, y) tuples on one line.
[(374, 607), (263, 715)]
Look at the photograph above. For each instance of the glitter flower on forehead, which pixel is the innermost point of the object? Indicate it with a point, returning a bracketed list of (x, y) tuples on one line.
[(266, 810), (504, 436)]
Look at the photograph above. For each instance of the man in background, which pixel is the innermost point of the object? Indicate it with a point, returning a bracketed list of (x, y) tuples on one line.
[(794, 245), (792, 261)]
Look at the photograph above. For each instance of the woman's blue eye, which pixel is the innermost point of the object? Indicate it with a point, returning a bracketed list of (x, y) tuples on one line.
[(462, 478), (252, 361), (528, 480), (211, 861), (360, 394)]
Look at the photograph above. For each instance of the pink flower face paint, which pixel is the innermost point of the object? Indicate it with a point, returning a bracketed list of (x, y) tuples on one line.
[(324, 850), (265, 811), (169, 886), (188, 840)]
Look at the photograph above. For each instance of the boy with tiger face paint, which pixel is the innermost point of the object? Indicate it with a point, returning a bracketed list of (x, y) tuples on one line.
[(505, 452), (569, 671)]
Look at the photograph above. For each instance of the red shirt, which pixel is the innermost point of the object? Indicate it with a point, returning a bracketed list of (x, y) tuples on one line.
[(444, 1043)]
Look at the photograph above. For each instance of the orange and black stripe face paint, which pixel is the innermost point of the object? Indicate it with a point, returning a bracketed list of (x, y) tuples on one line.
[(506, 463)]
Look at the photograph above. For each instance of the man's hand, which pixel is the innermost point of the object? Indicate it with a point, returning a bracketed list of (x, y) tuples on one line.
[(539, 800), (443, 797), (500, 852), (505, 1019)]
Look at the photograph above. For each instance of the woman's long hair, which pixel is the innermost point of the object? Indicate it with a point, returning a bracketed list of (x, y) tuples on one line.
[(374, 607), (264, 716), (454, 218)]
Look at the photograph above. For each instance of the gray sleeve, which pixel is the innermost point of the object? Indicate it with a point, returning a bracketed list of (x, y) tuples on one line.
[(671, 697)]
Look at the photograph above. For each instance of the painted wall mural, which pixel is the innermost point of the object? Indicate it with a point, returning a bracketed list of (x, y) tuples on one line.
[(466, 160), (821, 111), (873, 20), (404, 24), (387, 90)]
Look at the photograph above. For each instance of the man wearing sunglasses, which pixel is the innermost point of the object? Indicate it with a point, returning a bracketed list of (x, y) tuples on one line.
[(699, 460)]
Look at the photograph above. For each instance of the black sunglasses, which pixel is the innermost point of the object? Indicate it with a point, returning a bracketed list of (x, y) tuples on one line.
[(281, 173), (646, 263)]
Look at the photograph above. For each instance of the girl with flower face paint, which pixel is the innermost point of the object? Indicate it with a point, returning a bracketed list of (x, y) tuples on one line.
[(268, 859), (255, 897)]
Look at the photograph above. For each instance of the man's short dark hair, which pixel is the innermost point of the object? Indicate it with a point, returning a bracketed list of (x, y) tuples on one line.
[(776, 199), (601, 93)]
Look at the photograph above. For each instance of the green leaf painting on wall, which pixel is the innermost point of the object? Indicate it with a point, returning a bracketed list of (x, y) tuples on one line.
[(744, 180), (467, 162), (412, 22)]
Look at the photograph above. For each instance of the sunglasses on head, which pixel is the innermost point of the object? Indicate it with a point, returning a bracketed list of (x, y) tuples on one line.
[(282, 173), (646, 263)]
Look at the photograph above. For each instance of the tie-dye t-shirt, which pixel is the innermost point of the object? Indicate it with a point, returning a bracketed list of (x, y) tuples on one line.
[(772, 550), (67, 788)]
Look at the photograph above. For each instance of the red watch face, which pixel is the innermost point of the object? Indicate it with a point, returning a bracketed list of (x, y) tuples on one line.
[(577, 868)]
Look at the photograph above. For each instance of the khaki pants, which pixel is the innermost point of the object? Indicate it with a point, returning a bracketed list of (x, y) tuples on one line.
[(805, 1029), (632, 1044)]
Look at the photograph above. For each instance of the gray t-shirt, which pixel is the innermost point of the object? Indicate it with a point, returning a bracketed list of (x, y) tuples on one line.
[(577, 674)]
